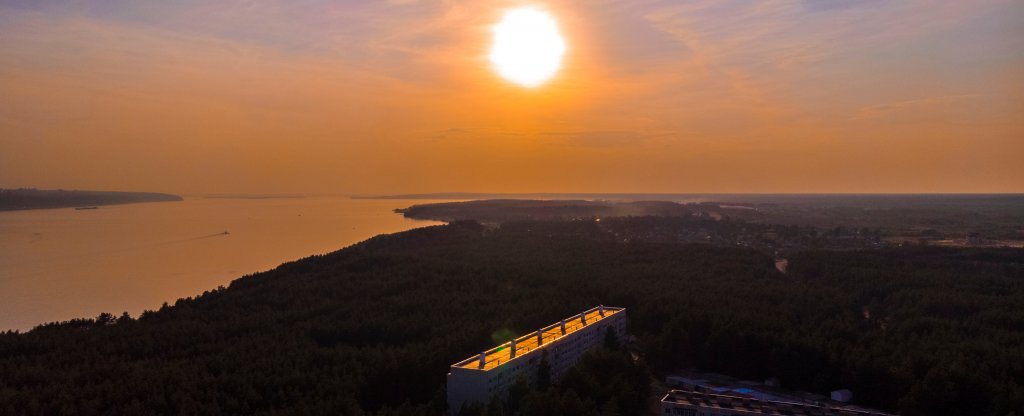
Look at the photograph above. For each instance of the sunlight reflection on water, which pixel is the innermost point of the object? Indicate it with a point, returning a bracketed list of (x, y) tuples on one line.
[(60, 264)]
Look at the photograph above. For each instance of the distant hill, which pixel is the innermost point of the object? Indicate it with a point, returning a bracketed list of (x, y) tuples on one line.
[(816, 199), (504, 210), (996, 219), (544, 196), (16, 199)]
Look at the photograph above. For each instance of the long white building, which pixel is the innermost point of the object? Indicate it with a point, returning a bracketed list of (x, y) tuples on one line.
[(478, 378)]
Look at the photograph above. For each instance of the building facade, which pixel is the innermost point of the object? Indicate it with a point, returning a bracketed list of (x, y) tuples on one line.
[(490, 373)]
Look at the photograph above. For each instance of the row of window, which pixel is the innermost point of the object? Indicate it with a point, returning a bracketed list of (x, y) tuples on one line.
[(565, 354)]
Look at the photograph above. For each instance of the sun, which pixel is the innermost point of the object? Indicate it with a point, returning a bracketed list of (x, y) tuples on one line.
[(527, 47)]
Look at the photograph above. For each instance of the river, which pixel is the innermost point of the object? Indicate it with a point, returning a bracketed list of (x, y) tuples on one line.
[(59, 264)]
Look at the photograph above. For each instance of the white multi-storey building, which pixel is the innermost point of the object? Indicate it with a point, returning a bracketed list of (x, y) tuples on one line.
[(478, 378)]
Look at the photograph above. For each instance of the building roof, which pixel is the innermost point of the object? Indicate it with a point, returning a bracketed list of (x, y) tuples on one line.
[(501, 354), (763, 407)]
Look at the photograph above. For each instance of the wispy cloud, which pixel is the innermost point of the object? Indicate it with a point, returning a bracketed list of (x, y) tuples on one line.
[(888, 109)]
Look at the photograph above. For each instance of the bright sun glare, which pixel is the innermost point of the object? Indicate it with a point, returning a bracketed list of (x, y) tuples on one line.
[(527, 47)]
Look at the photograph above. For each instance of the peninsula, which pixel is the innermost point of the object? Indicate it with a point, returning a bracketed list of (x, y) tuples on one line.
[(30, 198)]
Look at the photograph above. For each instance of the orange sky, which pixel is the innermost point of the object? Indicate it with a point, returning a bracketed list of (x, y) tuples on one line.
[(361, 97)]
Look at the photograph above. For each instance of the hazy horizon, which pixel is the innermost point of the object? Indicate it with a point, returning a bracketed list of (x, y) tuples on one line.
[(490, 195)]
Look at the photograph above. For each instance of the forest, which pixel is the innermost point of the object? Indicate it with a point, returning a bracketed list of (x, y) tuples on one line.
[(372, 329), (998, 218), (29, 198), (497, 211)]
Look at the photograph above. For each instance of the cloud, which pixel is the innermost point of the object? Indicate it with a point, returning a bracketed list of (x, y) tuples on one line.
[(578, 137), (308, 91), (837, 5), (604, 138), (888, 109)]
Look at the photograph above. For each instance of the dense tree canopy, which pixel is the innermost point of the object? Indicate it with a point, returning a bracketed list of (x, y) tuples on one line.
[(372, 329)]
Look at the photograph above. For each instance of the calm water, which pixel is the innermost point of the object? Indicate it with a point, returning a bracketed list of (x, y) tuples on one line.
[(60, 264)]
